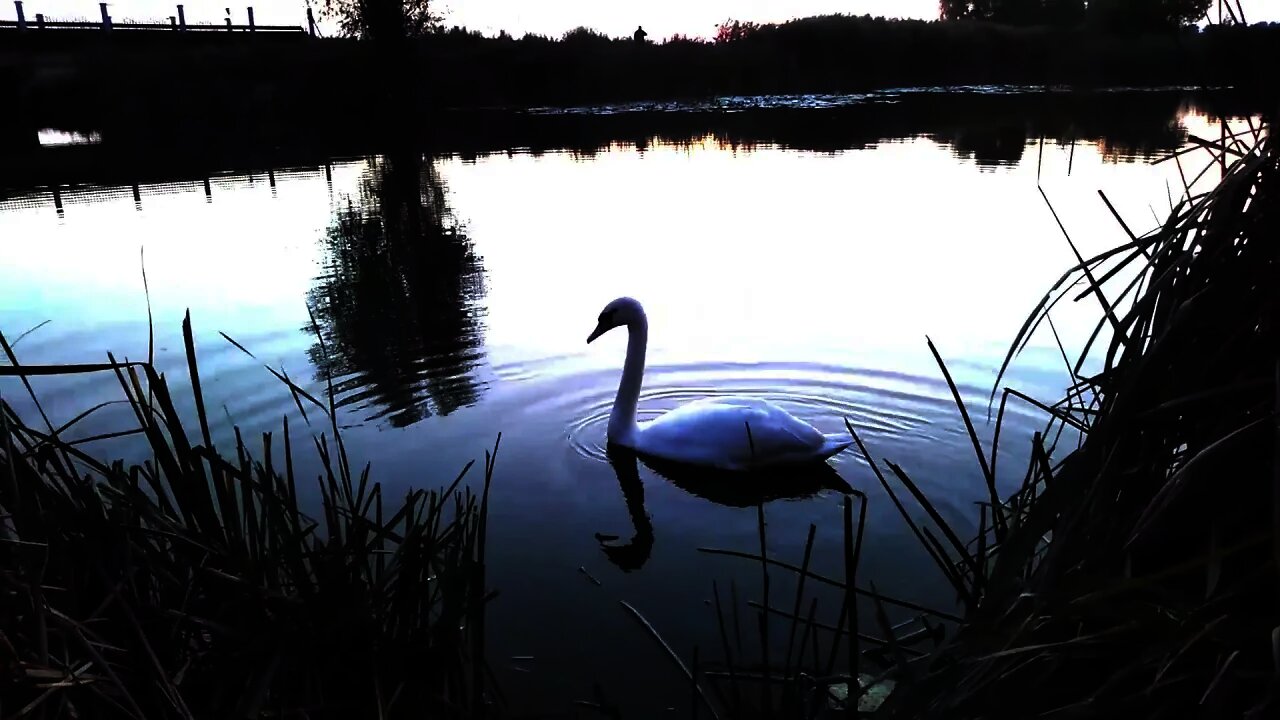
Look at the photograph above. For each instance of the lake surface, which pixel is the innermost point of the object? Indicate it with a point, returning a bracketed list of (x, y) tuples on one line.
[(798, 250)]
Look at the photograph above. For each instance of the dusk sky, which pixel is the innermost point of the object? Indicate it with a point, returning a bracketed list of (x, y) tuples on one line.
[(661, 18)]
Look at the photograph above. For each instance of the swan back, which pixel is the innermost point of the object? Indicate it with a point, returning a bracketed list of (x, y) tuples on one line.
[(735, 434)]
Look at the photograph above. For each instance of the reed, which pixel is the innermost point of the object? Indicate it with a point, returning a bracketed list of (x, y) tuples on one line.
[(195, 584), (1134, 575), (1137, 575)]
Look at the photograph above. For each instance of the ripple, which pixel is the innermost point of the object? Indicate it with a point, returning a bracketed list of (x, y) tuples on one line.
[(530, 369), (878, 403)]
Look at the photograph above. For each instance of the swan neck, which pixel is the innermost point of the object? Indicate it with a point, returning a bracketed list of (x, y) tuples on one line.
[(622, 421)]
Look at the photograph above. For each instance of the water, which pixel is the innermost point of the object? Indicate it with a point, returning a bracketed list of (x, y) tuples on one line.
[(800, 257)]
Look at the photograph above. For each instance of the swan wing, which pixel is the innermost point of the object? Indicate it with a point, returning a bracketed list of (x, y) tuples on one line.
[(714, 432)]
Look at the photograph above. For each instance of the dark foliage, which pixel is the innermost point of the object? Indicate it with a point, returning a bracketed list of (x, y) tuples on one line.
[(271, 90), (195, 586), (1124, 15), (1138, 575), (382, 21), (1136, 15)]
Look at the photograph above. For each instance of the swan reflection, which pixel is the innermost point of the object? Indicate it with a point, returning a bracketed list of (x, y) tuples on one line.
[(723, 487)]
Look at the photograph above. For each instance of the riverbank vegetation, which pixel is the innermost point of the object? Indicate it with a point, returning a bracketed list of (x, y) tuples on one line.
[(1132, 575), (252, 89), (989, 128), (1137, 575), (194, 585)]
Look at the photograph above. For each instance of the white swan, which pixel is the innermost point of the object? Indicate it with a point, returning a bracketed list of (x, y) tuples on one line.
[(730, 433)]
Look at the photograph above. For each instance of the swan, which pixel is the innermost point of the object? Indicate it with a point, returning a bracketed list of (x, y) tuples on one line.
[(727, 433)]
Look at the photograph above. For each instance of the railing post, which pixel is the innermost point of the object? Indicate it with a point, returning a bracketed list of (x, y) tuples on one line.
[(39, 21), (250, 19), (173, 21), (22, 18), (106, 19), (311, 22), (182, 18)]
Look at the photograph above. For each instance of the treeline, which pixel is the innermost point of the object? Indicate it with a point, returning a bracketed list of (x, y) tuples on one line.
[(839, 54), (991, 129), (1112, 15), (273, 91)]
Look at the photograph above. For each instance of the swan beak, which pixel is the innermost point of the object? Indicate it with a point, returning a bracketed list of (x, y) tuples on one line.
[(600, 330)]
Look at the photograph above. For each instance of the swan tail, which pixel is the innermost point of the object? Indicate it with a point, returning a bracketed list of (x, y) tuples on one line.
[(833, 444)]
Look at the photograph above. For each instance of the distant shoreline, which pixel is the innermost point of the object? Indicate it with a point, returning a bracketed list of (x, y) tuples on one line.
[(990, 128), (227, 86)]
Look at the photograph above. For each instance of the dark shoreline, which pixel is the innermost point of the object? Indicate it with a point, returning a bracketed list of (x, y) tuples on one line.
[(270, 88), (991, 127)]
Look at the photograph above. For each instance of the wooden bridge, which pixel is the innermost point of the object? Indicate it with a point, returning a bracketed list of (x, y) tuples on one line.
[(176, 23)]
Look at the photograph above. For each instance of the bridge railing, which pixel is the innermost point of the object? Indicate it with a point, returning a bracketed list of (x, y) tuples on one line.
[(177, 22)]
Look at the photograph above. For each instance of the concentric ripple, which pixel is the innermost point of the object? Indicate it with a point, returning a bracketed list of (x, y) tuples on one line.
[(878, 403)]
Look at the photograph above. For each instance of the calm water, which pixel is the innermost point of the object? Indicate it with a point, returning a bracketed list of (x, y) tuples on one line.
[(802, 258)]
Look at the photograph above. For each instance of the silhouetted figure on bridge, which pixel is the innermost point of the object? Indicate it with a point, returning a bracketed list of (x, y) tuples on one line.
[(640, 35)]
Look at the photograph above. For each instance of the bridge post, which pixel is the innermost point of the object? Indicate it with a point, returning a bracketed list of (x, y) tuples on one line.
[(311, 22), (250, 18), (106, 19), (22, 18), (39, 21), (182, 18)]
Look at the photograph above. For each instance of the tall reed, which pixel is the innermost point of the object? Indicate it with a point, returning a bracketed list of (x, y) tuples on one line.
[(197, 585), (1138, 575), (1133, 576)]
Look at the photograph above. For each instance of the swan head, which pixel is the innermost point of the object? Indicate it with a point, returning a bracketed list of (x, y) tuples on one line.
[(620, 312)]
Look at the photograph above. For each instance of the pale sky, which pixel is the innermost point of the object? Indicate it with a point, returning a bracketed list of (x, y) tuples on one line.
[(661, 18)]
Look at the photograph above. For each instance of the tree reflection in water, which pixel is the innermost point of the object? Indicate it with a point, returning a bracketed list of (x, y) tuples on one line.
[(399, 304)]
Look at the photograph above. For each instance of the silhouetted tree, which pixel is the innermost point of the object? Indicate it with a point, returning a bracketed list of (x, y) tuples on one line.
[(396, 84), (398, 305), (954, 9), (1064, 12), (382, 20), (1016, 12), (1146, 14), (1115, 14), (731, 30), (1009, 12)]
